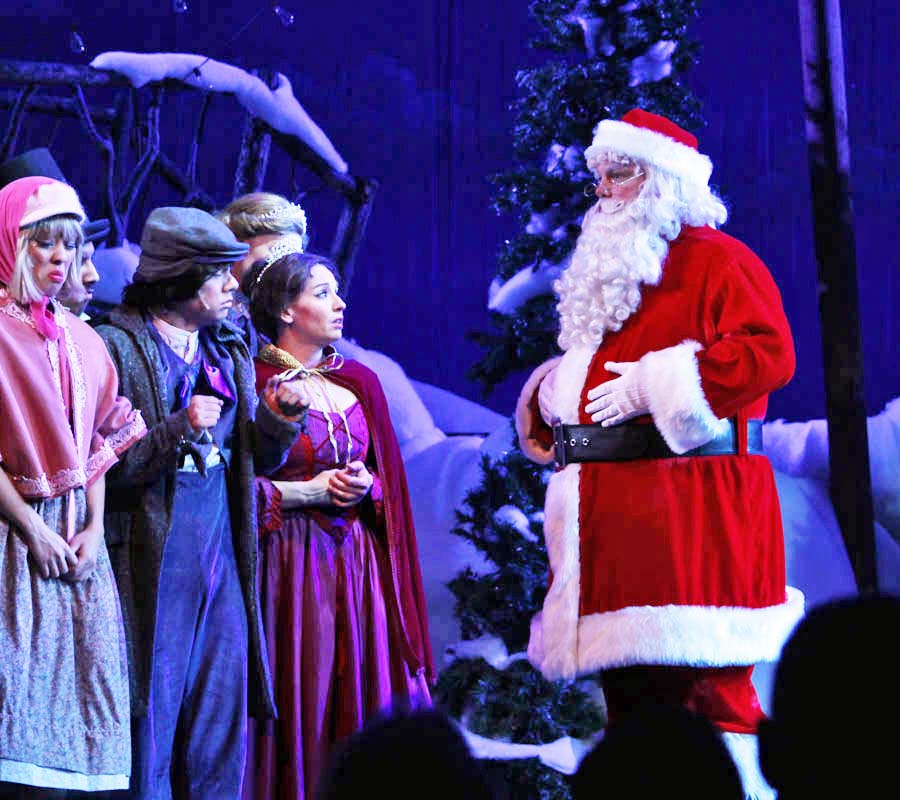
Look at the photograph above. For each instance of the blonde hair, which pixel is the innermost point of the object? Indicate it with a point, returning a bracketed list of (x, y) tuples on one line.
[(262, 213), (22, 286)]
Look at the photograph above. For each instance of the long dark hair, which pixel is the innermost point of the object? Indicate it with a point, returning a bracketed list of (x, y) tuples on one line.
[(270, 288)]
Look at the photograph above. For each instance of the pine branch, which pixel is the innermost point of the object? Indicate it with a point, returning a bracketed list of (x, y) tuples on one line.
[(526, 340)]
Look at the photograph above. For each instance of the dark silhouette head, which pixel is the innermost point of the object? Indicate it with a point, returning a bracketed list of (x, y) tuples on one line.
[(834, 702), (657, 752), (406, 755)]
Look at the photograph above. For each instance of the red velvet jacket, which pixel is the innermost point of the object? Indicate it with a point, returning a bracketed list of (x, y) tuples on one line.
[(672, 560)]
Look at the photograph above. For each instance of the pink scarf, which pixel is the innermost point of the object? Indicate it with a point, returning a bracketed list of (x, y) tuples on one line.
[(13, 200)]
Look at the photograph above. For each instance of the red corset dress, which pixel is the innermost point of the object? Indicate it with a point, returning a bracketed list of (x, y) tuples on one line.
[(323, 608)]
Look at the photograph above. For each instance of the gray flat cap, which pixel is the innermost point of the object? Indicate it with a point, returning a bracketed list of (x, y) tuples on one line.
[(174, 238)]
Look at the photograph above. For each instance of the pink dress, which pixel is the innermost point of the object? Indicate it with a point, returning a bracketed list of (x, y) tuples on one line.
[(65, 719), (322, 576)]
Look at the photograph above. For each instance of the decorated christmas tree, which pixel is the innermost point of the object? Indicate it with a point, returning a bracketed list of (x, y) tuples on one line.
[(604, 58)]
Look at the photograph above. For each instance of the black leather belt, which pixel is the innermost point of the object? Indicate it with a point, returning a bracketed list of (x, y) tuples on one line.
[(574, 444)]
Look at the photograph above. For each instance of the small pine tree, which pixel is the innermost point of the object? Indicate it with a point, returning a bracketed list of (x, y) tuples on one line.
[(605, 57), (503, 518)]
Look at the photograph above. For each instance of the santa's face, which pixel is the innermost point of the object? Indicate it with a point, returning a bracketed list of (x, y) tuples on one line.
[(618, 184)]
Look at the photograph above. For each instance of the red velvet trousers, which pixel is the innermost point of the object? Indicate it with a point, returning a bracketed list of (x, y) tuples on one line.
[(724, 695)]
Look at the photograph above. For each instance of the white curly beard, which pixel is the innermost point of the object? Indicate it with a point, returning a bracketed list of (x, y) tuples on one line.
[(601, 287)]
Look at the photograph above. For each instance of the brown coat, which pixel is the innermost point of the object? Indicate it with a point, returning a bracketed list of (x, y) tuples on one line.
[(141, 489)]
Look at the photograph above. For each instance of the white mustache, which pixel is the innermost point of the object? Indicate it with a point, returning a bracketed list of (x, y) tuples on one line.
[(610, 205)]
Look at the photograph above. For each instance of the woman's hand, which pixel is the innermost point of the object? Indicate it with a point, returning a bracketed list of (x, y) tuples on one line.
[(85, 546), (314, 492), (349, 486), (287, 398), (52, 556), (331, 487)]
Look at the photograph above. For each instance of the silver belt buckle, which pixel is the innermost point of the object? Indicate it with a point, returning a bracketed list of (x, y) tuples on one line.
[(559, 444)]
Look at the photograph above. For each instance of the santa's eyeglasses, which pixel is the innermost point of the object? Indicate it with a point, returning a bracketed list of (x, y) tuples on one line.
[(617, 176)]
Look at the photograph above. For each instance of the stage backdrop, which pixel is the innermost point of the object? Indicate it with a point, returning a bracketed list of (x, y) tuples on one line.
[(416, 94)]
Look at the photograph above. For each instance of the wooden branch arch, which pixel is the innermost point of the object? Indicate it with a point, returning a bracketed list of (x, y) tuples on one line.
[(61, 91)]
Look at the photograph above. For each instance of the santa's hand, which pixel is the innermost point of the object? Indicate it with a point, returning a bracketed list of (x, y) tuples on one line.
[(545, 397), (620, 399)]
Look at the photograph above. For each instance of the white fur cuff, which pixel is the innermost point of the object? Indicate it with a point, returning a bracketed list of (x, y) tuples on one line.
[(677, 403), (524, 417)]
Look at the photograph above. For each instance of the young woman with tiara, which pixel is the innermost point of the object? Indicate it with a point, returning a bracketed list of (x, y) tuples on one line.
[(341, 589), (263, 221)]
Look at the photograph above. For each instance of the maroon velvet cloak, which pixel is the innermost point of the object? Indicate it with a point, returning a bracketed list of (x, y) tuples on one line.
[(404, 597)]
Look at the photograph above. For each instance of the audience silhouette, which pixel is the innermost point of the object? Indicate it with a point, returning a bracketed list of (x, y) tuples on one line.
[(406, 755), (834, 701), (659, 751)]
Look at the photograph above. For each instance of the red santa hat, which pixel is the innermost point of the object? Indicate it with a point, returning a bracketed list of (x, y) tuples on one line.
[(654, 140)]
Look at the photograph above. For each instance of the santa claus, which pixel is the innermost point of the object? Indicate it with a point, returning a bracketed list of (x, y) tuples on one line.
[(662, 522)]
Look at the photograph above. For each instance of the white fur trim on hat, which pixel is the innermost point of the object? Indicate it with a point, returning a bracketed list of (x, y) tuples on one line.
[(49, 200), (651, 147), (677, 404)]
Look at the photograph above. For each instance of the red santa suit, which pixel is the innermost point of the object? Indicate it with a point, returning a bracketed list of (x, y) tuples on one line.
[(671, 561)]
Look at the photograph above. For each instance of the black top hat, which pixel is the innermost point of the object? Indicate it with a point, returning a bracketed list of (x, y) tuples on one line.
[(40, 161), (95, 230), (31, 163)]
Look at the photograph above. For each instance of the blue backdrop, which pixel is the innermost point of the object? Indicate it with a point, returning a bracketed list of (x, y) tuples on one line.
[(416, 94)]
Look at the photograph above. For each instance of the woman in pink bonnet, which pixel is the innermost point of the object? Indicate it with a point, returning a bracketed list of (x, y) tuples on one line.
[(64, 704)]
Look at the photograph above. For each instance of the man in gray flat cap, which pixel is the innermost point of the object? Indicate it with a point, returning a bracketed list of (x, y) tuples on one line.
[(181, 521)]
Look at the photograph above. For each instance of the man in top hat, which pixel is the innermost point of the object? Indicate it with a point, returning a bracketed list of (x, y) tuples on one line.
[(662, 523), (78, 290), (181, 517)]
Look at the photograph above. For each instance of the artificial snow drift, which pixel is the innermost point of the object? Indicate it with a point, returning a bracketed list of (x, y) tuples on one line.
[(278, 107)]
